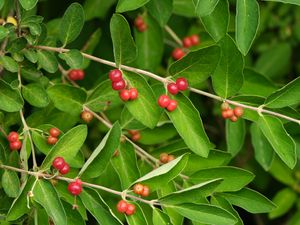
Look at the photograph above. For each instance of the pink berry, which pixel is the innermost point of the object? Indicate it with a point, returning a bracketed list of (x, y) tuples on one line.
[(177, 53), (58, 163), (172, 88), (15, 145), (115, 75), (164, 101), (118, 85), (65, 169), (124, 95), (182, 84), (74, 188), (172, 105), (13, 136)]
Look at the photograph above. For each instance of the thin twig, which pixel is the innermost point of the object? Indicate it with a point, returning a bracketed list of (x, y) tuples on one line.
[(173, 35), (3, 131)]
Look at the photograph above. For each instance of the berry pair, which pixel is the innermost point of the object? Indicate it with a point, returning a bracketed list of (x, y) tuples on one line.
[(180, 85), (190, 41), (130, 94), (86, 116), (14, 142), (140, 24), (232, 114), (61, 165), (76, 74), (75, 187), (141, 190), (164, 101), (165, 157), (135, 135), (125, 207), (53, 138)]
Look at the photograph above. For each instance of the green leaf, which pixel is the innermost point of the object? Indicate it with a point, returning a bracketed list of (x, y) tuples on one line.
[(17, 45), (45, 195), (47, 61), (280, 140), (10, 98), (204, 213), (235, 136), (144, 108), (97, 8), (128, 5), (67, 146), (196, 66), (73, 58), (91, 44), (67, 98), (250, 200), (296, 2), (150, 45), (73, 216), (282, 173), (28, 4), (227, 79), (184, 8), (186, 118), (204, 7), (286, 96), (31, 55), (125, 164), (187, 195), (138, 217), (247, 22), (9, 64), (92, 203), (10, 183), (233, 178), (101, 156), (3, 32), (160, 218), (216, 23), (284, 200), (35, 95), (125, 50), (71, 23), (160, 10), (264, 153)]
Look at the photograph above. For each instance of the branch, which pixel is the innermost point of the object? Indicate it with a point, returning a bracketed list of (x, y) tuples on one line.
[(173, 35)]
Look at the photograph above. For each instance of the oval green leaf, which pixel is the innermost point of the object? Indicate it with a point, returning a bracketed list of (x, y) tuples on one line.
[(128, 5), (204, 7), (47, 61), (10, 183), (235, 136), (35, 95), (73, 58), (10, 98), (28, 4), (160, 10)]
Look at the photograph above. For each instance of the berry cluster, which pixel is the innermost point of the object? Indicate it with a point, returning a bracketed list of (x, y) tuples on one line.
[(61, 165), (53, 138), (125, 207), (14, 142), (232, 114), (187, 42), (135, 135), (75, 187), (140, 24), (165, 157), (86, 116), (77, 74), (142, 190)]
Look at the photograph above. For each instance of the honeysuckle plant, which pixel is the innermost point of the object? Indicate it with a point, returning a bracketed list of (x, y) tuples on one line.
[(149, 112)]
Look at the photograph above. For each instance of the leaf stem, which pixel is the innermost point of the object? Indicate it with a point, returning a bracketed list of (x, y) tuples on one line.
[(173, 35)]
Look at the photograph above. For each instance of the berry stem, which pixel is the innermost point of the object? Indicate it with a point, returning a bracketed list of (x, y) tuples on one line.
[(173, 35)]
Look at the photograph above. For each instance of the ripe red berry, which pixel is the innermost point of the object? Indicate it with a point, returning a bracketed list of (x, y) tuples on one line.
[(142, 27), (118, 85), (122, 206), (133, 132), (76, 74), (170, 158), (177, 53), (233, 118), (139, 21), (65, 169), (13, 136), (136, 137), (138, 189), (133, 92), (15, 145), (115, 75), (54, 132), (164, 157), (195, 40), (130, 209), (80, 74), (172, 105), (145, 192), (52, 140), (124, 95), (58, 163), (74, 188), (238, 111), (228, 113), (172, 88), (182, 83), (163, 101), (86, 116), (187, 42), (78, 181), (224, 106)]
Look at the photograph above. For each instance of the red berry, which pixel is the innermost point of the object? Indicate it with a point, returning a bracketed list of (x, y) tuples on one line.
[(182, 84), (233, 118), (133, 132), (170, 158), (124, 95), (138, 189), (74, 188), (118, 85), (133, 92), (172, 88), (177, 53), (227, 113), (58, 163), (78, 181), (54, 132), (65, 169), (172, 106), (143, 27), (195, 40), (130, 209), (122, 206), (86, 116), (163, 101), (224, 106), (187, 42), (146, 191), (115, 75), (139, 21), (15, 145), (164, 157), (238, 111), (73, 75), (136, 137), (52, 140), (13, 136), (80, 74)]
